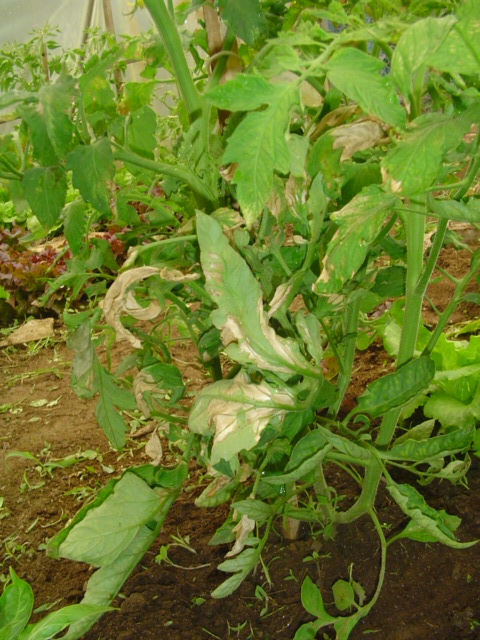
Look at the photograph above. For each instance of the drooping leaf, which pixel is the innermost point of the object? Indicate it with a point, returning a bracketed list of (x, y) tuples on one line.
[(92, 173), (427, 524), (45, 189), (360, 221), (395, 389), (107, 531), (351, 71), (259, 147), (416, 44), (241, 318), (57, 621), (255, 509), (16, 605), (236, 412), (107, 581), (246, 19)]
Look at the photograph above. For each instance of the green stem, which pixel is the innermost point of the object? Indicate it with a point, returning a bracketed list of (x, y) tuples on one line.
[(414, 224), (349, 344), (205, 198), (168, 32)]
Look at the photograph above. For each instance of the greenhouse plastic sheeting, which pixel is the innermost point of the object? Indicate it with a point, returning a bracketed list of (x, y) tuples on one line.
[(18, 18)]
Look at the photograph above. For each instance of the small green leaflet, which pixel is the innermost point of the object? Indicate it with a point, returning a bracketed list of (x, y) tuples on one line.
[(240, 316), (396, 389), (105, 532), (246, 19), (360, 221), (240, 567), (16, 605), (45, 190), (426, 524), (259, 147), (420, 40), (236, 412), (352, 71), (92, 173)]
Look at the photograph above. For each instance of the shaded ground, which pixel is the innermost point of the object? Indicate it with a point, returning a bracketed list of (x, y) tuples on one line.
[(430, 591)]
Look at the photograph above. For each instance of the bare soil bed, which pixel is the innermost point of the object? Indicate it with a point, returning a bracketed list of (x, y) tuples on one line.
[(430, 591)]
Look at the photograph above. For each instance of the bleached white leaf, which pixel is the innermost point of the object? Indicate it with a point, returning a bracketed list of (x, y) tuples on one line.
[(236, 412), (242, 530)]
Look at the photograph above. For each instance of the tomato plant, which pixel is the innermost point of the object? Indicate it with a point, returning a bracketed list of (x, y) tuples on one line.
[(288, 194)]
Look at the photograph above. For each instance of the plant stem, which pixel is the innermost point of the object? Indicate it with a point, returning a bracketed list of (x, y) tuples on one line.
[(350, 340), (171, 40), (414, 223), (205, 197)]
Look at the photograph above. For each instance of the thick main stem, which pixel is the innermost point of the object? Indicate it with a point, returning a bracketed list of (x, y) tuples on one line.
[(414, 223)]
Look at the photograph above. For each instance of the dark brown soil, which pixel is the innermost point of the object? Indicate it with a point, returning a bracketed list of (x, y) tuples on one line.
[(430, 591)]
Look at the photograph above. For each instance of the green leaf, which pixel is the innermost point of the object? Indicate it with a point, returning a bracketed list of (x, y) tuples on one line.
[(141, 131), (343, 595), (236, 412), (56, 101), (254, 509), (360, 222), (351, 71), (453, 210), (107, 531), (75, 218), (240, 566), (43, 149), (246, 19), (245, 92), (426, 524), (416, 44), (300, 471), (106, 582), (459, 52), (313, 603), (452, 412), (16, 605), (111, 395), (45, 189), (240, 315), (396, 389), (57, 621), (414, 163), (93, 171), (346, 446), (259, 147), (437, 447)]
